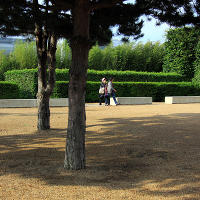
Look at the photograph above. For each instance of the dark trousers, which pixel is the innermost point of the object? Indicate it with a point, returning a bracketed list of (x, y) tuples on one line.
[(101, 97), (107, 99)]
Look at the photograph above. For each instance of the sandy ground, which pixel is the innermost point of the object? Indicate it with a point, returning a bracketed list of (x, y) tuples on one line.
[(147, 152)]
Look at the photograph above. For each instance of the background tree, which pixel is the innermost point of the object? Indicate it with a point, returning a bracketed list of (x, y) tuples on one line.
[(180, 48), (179, 13)]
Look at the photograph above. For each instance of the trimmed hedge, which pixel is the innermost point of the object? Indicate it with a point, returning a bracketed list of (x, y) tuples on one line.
[(124, 76), (93, 75), (26, 80), (133, 89), (125, 89), (8, 90), (140, 85)]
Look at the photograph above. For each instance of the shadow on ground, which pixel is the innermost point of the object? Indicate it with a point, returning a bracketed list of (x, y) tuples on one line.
[(124, 153)]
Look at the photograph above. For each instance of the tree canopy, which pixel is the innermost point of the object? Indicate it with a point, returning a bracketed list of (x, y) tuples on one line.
[(177, 12), (18, 17)]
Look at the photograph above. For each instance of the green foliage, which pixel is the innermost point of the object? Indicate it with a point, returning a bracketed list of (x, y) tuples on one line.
[(133, 89), (60, 89), (126, 76), (63, 55), (8, 90), (24, 54), (180, 51), (5, 64), (128, 56), (196, 79), (95, 58), (26, 80), (108, 59)]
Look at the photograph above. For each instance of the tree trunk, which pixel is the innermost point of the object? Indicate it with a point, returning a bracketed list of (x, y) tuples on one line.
[(75, 145), (45, 89), (43, 112), (46, 43)]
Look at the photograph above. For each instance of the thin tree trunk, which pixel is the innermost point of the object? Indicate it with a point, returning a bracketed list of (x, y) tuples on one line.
[(45, 89), (75, 145), (42, 98), (46, 49)]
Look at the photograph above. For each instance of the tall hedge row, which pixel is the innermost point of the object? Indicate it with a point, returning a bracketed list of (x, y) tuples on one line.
[(26, 81), (8, 90), (125, 76), (93, 75), (157, 91), (180, 50)]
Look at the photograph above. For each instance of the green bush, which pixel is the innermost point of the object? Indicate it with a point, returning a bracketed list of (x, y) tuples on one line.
[(24, 55), (196, 79), (8, 90), (180, 51), (124, 76), (128, 56), (26, 80), (60, 90), (133, 89), (5, 64), (63, 55)]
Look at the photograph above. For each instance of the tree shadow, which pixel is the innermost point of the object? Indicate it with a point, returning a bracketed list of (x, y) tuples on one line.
[(129, 153)]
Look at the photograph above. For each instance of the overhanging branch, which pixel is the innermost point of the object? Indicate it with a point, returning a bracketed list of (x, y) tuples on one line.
[(104, 4)]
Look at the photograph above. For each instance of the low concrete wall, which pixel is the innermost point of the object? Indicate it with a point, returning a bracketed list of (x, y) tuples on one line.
[(132, 100), (61, 102), (29, 103), (182, 99)]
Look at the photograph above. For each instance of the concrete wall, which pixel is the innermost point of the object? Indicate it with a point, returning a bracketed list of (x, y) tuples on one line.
[(29, 103), (182, 99), (132, 100)]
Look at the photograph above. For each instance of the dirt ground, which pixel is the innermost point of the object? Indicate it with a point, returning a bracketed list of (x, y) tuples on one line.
[(146, 152)]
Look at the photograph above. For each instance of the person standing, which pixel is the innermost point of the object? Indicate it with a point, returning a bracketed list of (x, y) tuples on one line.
[(102, 90), (111, 91)]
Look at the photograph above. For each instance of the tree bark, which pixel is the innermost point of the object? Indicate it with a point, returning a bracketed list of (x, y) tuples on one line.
[(75, 144), (44, 41)]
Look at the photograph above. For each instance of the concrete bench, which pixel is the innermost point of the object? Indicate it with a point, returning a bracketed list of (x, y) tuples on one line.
[(132, 100), (182, 99), (29, 103)]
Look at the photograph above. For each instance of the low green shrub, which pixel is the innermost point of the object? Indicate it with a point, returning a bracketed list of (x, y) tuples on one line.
[(8, 90), (26, 80), (157, 91)]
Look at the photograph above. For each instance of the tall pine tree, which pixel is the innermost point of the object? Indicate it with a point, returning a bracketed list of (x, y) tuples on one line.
[(82, 22)]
